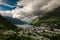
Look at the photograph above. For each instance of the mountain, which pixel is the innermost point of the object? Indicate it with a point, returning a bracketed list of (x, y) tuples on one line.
[(53, 16), (14, 20), (6, 25), (52, 19)]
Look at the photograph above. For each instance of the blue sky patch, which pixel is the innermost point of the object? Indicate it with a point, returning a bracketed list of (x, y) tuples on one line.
[(9, 2), (12, 2), (3, 7)]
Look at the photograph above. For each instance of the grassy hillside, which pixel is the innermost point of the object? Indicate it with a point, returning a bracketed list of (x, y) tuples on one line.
[(5, 24), (52, 16)]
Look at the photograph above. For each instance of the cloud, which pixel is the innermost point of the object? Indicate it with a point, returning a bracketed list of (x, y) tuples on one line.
[(5, 13), (32, 4), (51, 5), (23, 2), (32, 7)]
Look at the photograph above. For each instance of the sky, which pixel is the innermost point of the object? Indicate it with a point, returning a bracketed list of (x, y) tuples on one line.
[(8, 4), (27, 9)]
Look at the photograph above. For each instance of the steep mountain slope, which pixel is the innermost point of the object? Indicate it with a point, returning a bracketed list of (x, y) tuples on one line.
[(53, 16), (14, 20), (5, 24), (51, 19)]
